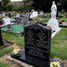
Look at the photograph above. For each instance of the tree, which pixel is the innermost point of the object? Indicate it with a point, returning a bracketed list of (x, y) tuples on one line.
[(44, 5), (28, 2), (64, 4), (5, 2)]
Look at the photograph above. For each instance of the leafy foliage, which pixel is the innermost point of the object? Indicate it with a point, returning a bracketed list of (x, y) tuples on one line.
[(21, 8), (5, 2), (42, 4), (15, 8), (64, 4)]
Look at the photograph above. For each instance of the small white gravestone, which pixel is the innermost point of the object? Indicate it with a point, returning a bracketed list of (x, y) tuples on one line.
[(41, 13), (6, 20), (53, 23), (17, 15), (3, 14), (34, 14)]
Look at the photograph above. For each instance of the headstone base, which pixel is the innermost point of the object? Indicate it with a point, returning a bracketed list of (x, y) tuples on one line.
[(28, 59), (55, 33)]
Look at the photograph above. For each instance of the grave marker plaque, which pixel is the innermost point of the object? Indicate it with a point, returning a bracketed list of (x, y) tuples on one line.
[(37, 45)]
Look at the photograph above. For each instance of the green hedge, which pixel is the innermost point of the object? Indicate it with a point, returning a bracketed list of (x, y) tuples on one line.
[(15, 8)]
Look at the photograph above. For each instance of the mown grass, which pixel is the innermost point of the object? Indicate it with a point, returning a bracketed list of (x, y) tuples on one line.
[(59, 45), (3, 64), (47, 16), (5, 50), (13, 38)]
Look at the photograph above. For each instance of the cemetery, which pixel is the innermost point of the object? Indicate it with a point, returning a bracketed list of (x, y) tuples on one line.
[(34, 38)]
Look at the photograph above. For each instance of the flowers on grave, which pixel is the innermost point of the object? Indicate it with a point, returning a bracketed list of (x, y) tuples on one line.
[(1, 59), (49, 27), (55, 64), (16, 51)]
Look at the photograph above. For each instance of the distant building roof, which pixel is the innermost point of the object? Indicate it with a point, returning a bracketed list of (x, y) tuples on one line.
[(17, 3)]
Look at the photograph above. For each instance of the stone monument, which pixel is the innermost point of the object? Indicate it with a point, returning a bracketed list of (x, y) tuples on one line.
[(3, 14), (17, 15), (53, 23), (37, 46), (41, 13), (34, 14)]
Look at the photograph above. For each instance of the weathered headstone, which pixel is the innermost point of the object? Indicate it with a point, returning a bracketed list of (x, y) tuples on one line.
[(25, 19), (17, 15), (34, 14), (3, 14), (41, 13), (1, 40)]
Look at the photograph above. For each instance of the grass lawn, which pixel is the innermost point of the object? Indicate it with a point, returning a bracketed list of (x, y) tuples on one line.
[(13, 38), (3, 64), (5, 50), (46, 17), (59, 45)]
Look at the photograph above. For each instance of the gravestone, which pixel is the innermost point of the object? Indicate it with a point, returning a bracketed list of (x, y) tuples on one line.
[(17, 15), (37, 46), (41, 13), (34, 14), (3, 14), (1, 40), (25, 19)]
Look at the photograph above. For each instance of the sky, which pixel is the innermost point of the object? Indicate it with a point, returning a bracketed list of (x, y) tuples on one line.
[(16, 0)]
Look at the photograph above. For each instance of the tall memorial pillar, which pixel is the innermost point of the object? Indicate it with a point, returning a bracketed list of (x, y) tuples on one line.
[(53, 23)]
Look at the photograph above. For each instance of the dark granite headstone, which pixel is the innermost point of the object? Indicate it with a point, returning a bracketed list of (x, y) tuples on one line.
[(1, 40), (37, 46)]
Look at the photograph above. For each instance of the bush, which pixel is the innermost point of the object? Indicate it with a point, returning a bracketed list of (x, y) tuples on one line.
[(42, 4), (15, 8), (7, 8), (21, 8), (64, 4)]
